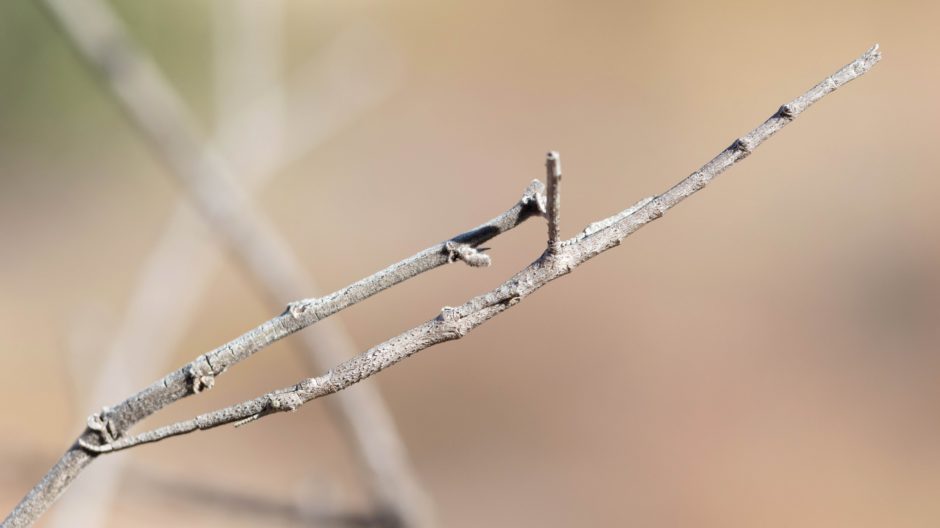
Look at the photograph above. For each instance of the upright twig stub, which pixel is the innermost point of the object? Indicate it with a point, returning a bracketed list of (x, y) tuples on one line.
[(553, 177)]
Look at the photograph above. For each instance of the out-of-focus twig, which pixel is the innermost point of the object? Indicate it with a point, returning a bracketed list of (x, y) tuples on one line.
[(163, 119), (170, 285), (300, 509)]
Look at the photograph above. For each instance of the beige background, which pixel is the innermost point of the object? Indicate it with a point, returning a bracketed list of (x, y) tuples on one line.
[(765, 355)]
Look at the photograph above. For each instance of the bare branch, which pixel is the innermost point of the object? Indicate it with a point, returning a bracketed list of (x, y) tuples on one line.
[(553, 181), (454, 323)]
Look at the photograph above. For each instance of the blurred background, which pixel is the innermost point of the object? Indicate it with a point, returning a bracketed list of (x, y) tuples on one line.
[(764, 355)]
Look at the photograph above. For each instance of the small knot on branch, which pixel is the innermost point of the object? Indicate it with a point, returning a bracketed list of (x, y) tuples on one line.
[(449, 314), (297, 309), (101, 423), (743, 145), (285, 402), (535, 195), (787, 111), (201, 375), (472, 256)]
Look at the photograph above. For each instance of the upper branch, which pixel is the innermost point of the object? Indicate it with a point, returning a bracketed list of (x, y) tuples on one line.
[(454, 323)]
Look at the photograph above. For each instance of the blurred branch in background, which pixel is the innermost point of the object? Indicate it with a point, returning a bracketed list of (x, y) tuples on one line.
[(303, 508), (253, 130)]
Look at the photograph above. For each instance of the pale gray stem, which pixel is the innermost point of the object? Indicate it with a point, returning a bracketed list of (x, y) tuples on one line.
[(454, 323), (553, 183)]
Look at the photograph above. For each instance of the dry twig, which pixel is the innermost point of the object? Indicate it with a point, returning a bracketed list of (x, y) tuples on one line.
[(453, 323)]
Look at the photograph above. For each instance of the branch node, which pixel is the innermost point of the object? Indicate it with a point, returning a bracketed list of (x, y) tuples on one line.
[(101, 423), (201, 375), (285, 402), (743, 145), (298, 308), (250, 419), (472, 256), (282, 402), (449, 314), (787, 111), (657, 210), (535, 195)]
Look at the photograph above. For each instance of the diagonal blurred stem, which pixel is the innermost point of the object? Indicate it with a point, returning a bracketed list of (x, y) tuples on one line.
[(162, 118)]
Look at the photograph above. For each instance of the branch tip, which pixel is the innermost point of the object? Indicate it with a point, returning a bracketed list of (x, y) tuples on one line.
[(553, 160)]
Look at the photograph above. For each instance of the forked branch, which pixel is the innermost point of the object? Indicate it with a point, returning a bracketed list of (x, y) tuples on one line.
[(453, 323), (559, 259)]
